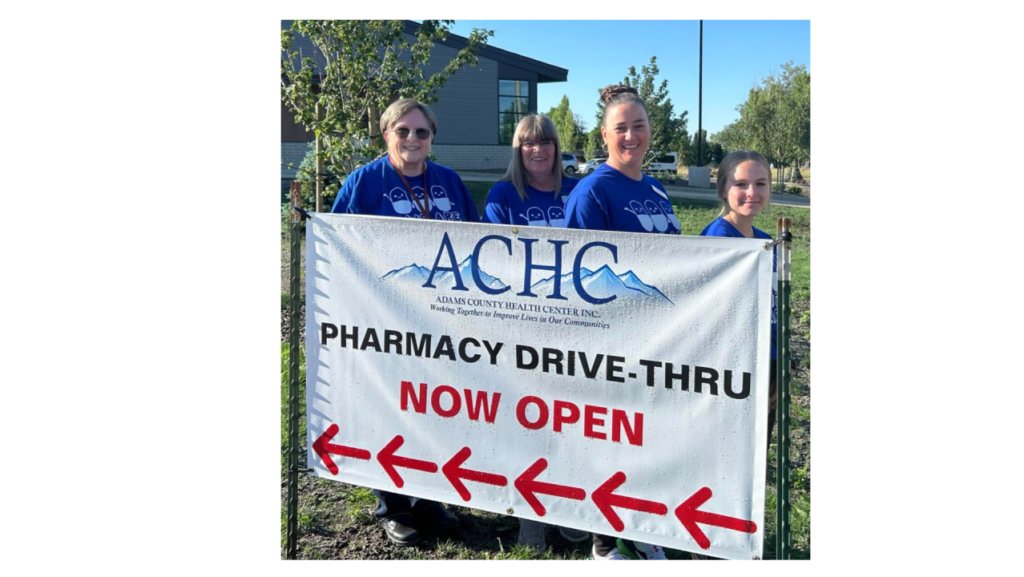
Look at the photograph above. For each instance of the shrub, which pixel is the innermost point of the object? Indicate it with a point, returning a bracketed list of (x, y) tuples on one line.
[(795, 190), (306, 175)]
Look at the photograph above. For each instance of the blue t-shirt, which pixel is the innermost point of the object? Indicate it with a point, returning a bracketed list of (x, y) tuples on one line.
[(377, 189), (722, 227), (504, 205), (610, 200)]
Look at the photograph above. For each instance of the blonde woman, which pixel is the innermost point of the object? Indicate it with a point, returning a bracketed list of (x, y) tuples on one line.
[(533, 190), (404, 183), (533, 193)]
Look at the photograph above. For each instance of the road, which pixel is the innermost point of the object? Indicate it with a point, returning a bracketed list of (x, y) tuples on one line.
[(707, 194)]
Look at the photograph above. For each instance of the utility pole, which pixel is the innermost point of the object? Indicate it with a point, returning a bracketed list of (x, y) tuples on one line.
[(700, 95)]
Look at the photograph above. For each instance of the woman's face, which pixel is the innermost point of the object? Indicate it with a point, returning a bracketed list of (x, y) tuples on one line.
[(411, 150), (749, 189), (626, 132), (538, 157)]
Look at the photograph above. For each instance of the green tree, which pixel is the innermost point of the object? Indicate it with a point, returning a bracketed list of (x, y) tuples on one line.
[(775, 119), (717, 153), (595, 143), (732, 137), (357, 69), (800, 96), (571, 131), (705, 150), (579, 132), (668, 131)]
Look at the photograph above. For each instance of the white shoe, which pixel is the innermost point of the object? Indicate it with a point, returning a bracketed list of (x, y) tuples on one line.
[(612, 555), (650, 552)]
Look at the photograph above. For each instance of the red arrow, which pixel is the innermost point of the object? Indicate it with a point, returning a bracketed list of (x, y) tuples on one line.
[(689, 516), (389, 460), (605, 498), (324, 449), (454, 472), (527, 486)]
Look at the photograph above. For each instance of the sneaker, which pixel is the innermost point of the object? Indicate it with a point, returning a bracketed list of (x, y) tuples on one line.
[(612, 555), (649, 552), (531, 534), (573, 535)]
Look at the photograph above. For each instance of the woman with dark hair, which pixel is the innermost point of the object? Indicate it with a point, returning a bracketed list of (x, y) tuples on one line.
[(619, 196), (405, 184)]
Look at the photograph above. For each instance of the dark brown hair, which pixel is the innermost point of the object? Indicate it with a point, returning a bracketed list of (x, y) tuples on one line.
[(616, 94)]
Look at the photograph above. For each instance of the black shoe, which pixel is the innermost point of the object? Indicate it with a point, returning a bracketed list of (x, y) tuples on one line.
[(399, 529), (436, 517)]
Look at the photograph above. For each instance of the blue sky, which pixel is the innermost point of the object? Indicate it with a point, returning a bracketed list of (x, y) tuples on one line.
[(737, 54)]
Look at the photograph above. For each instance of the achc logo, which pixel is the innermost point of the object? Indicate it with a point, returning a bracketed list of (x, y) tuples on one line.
[(595, 287)]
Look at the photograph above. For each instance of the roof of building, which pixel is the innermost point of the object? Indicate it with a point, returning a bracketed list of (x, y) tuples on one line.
[(545, 72)]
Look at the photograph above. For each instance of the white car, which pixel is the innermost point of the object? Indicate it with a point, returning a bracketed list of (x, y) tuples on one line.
[(569, 164), (591, 165)]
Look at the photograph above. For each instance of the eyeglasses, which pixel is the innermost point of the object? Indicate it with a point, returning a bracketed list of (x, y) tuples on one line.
[(403, 132), (549, 144)]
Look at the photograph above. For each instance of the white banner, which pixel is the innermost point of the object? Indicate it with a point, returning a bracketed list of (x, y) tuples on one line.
[(610, 382)]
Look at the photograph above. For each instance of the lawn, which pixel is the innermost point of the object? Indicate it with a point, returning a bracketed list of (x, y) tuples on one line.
[(336, 519)]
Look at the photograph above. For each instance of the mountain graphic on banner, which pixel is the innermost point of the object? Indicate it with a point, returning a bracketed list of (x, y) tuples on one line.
[(419, 275), (603, 284)]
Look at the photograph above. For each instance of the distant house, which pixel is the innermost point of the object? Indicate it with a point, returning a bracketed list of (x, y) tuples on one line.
[(476, 112)]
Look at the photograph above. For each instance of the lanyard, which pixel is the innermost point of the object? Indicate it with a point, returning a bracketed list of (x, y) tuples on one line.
[(425, 205)]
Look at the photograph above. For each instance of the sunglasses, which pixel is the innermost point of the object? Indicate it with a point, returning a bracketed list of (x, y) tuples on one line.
[(403, 132), (541, 144)]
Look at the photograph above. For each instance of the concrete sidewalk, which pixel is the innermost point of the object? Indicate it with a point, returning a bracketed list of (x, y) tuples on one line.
[(707, 194)]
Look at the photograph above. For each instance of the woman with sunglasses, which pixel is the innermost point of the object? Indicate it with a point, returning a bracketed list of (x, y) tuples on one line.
[(404, 183), (533, 190)]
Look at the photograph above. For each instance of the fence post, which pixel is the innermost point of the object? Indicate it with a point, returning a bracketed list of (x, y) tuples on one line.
[(783, 537), (319, 167), (293, 374)]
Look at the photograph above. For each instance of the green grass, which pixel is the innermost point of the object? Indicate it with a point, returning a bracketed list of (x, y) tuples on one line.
[(284, 404), (479, 191)]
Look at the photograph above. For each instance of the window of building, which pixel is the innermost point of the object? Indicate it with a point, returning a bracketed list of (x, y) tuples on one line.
[(513, 104)]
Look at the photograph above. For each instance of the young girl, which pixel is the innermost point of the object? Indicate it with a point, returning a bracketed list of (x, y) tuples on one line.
[(744, 187), (619, 196)]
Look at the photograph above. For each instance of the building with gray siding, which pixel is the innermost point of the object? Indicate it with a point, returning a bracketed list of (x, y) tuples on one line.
[(471, 109)]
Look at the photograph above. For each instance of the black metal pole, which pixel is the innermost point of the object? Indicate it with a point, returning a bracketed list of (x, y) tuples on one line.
[(293, 376), (700, 98), (783, 529)]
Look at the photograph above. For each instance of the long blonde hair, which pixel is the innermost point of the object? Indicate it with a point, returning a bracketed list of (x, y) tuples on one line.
[(533, 127)]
